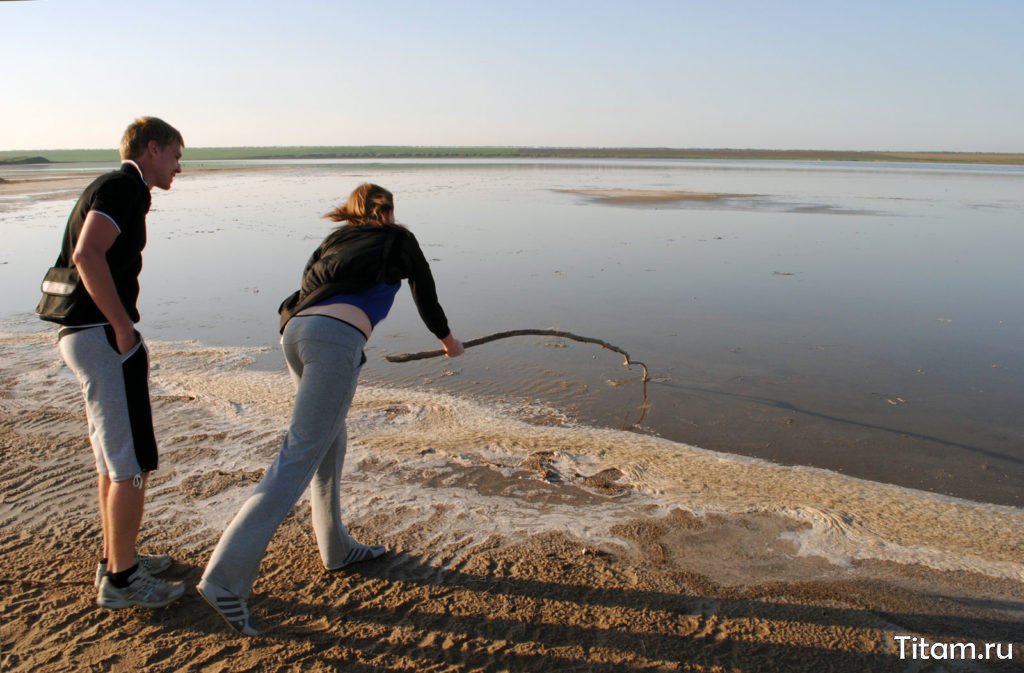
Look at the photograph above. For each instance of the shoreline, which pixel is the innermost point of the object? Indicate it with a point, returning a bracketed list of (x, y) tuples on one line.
[(29, 186), (511, 545)]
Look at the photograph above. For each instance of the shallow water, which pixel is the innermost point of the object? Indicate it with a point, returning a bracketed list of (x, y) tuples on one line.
[(863, 318)]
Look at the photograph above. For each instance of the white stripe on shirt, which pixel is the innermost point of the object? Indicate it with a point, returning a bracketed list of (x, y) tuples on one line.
[(129, 161), (112, 220)]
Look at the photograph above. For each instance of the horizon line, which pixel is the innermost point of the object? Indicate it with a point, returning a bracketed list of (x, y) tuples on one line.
[(660, 148), (511, 152)]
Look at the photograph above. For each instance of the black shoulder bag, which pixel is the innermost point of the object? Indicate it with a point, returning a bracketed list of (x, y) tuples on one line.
[(61, 288)]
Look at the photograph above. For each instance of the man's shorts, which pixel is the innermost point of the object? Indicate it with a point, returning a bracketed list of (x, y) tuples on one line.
[(116, 390)]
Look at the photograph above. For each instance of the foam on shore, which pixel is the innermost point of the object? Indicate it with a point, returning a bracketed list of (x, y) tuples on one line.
[(485, 469)]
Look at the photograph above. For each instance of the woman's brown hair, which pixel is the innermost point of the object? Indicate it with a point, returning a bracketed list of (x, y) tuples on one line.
[(368, 204)]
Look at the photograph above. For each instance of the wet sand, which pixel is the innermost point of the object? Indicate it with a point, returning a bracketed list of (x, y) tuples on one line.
[(24, 186), (514, 545), (52, 186)]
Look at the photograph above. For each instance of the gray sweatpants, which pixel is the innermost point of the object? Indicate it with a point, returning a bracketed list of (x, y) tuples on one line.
[(324, 356)]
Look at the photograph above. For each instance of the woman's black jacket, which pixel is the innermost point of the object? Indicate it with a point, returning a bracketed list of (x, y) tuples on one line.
[(354, 258)]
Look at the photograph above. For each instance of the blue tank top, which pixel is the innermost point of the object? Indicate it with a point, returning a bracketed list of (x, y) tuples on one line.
[(376, 302)]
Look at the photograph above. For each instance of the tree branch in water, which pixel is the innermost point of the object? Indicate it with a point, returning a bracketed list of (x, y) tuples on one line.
[(424, 355)]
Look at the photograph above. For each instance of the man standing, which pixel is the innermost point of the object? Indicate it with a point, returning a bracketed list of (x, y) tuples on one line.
[(104, 238)]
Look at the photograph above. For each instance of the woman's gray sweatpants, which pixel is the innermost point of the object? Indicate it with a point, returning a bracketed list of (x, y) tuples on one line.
[(324, 356)]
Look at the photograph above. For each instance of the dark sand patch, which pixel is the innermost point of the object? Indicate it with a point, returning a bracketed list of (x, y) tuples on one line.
[(651, 195)]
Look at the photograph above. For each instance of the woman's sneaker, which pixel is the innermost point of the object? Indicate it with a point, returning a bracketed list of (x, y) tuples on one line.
[(143, 590), (233, 609), (153, 563)]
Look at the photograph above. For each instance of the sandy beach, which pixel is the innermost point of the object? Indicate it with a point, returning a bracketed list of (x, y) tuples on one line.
[(514, 546)]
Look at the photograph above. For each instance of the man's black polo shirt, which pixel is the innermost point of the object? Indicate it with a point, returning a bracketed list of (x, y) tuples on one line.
[(123, 197)]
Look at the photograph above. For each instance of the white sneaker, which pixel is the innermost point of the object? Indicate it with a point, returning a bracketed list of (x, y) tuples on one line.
[(143, 590), (153, 563), (233, 609)]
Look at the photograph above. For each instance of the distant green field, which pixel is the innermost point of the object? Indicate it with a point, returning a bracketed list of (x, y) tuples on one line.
[(398, 152)]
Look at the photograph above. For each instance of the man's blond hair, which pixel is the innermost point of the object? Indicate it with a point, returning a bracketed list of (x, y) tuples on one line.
[(144, 129)]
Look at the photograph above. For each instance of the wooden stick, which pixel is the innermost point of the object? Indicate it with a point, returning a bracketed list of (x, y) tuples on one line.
[(424, 355)]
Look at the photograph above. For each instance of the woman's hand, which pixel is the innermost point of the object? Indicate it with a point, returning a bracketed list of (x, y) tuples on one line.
[(452, 346)]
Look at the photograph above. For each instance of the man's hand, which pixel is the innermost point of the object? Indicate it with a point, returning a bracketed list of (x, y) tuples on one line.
[(126, 339)]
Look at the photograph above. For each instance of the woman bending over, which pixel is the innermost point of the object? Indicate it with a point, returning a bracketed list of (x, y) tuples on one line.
[(348, 286)]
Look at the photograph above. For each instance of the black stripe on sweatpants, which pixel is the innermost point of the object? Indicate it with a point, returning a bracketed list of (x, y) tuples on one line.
[(140, 414)]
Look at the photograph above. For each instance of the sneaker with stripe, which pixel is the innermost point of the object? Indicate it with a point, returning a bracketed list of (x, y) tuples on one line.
[(233, 609), (143, 590), (361, 552)]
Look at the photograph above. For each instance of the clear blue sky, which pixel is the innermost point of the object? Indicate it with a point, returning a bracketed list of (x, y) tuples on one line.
[(886, 75)]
